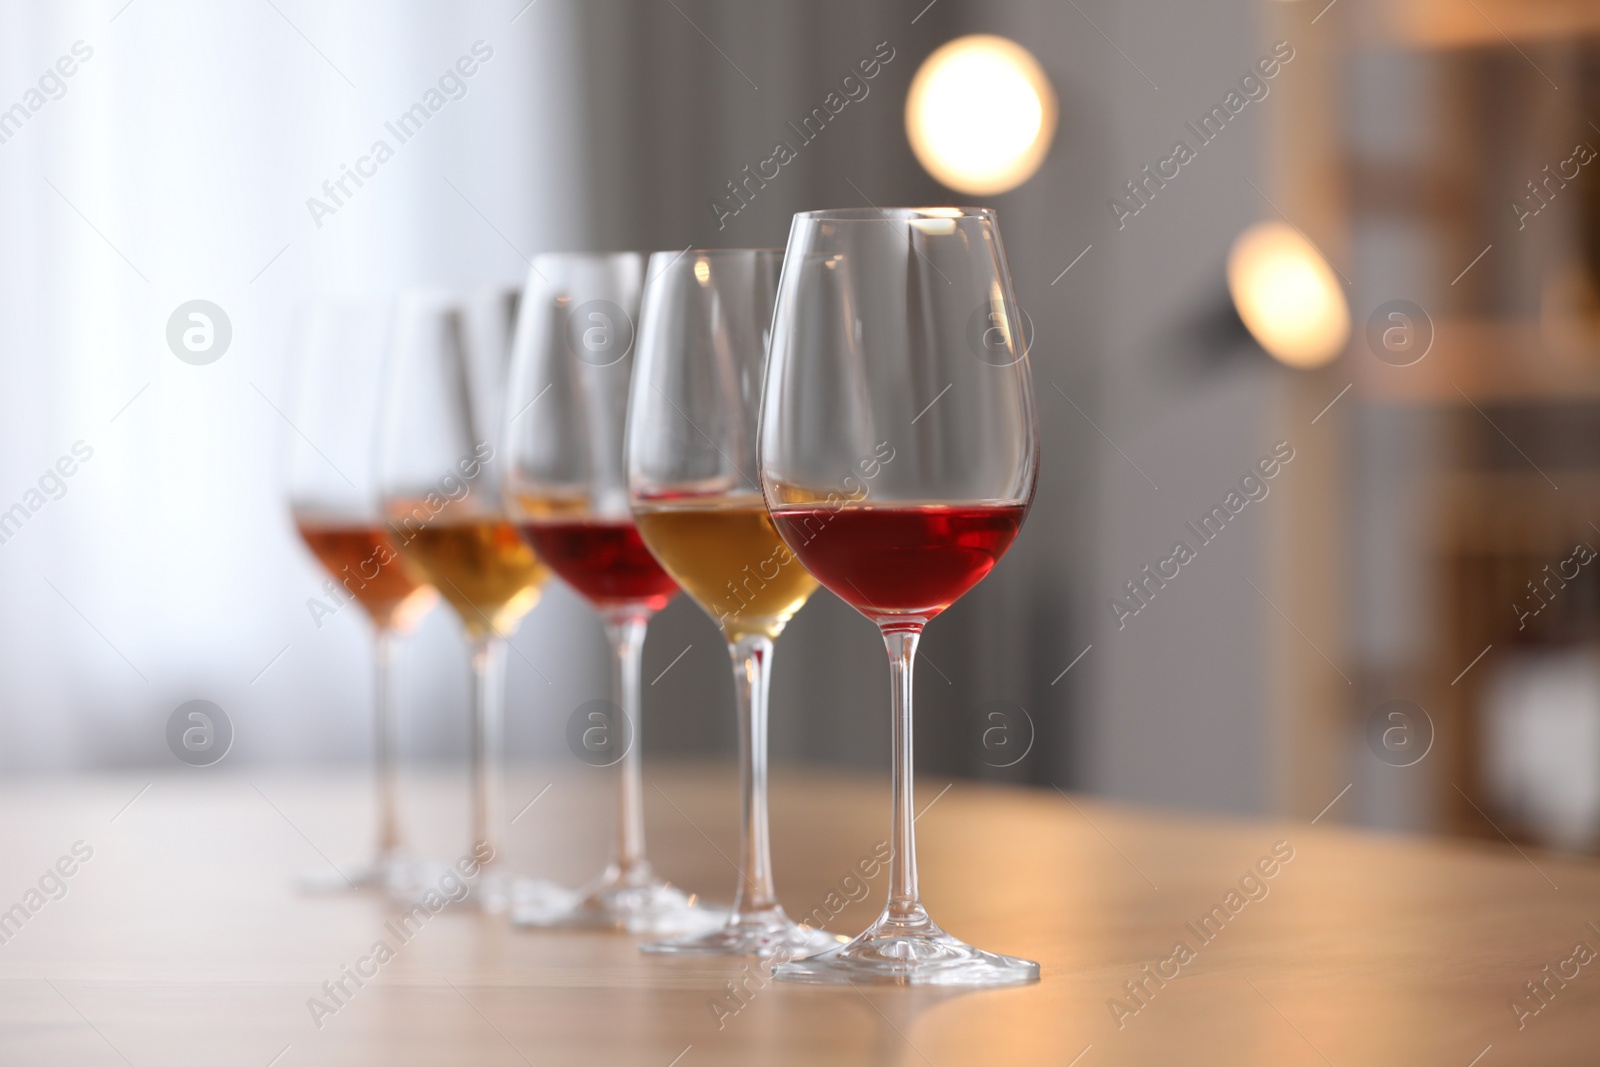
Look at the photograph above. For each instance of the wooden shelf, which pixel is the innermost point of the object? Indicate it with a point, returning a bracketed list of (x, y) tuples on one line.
[(1444, 24), (1488, 361)]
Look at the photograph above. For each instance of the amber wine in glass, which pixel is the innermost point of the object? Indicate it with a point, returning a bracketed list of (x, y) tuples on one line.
[(482, 568), (442, 501)]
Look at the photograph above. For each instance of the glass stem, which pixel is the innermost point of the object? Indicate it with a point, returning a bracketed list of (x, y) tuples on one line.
[(488, 678), (752, 667), (627, 644), (385, 736), (905, 906)]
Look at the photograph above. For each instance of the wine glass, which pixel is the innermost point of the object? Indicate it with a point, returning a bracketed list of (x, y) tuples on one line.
[(697, 502), (564, 480), (441, 497), (334, 500), (898, 456)]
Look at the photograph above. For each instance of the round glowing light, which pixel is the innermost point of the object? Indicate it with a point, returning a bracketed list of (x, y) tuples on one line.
[(1288, 296), (980, 115)]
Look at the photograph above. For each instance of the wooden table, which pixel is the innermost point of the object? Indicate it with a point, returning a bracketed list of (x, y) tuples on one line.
[(180, 941)]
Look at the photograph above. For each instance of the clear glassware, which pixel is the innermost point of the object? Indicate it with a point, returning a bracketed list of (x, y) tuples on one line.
[(564, 481), (441, 496), (898, 456), (334, 500), (697, 502)]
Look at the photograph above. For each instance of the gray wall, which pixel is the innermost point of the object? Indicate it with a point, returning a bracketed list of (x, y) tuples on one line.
[(1179, 696), (670, 122), (1170, 709)]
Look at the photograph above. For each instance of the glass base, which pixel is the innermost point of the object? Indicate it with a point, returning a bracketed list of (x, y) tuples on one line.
[(490, 892), (907, 953), (768, 934), (496, 892), (364, 875), (637, 904), (536, 893)]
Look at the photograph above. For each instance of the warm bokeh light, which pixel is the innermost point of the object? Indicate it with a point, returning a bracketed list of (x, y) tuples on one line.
[(980, 114), (1287, 295)]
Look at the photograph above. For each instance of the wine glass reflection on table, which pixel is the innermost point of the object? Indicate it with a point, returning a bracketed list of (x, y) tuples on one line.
[(333, 497), (442, 502), (563, 441), (692, 476), (898, 459)]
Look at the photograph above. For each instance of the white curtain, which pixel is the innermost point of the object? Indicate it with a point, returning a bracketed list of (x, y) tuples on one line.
[(175, 163)]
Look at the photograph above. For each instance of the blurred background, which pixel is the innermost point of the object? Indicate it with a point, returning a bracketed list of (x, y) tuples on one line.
[(1370, 268)]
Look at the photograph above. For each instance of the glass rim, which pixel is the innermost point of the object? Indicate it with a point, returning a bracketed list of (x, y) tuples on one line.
[(430, 297), (894, 214), (310, 305), (712, 253), (587, 257)]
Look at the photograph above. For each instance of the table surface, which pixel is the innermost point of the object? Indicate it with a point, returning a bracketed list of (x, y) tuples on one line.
[(181, 940)]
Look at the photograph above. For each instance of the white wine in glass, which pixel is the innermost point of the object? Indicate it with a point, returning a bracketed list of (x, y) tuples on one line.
[(691, 473)]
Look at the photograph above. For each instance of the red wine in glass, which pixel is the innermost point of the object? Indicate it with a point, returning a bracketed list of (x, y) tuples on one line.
[(563, 472), (894, 359), (903, 560), (604, 559)]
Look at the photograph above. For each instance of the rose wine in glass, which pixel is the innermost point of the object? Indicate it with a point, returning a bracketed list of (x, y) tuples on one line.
[(361, 558), (334, 500), (563, 436), (898, 457), (692, 470)]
